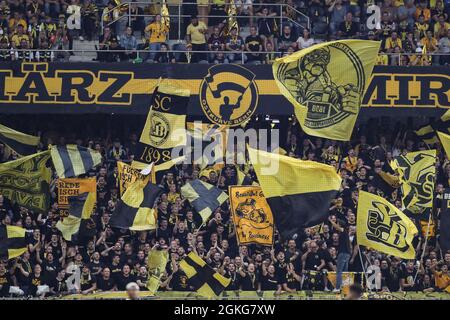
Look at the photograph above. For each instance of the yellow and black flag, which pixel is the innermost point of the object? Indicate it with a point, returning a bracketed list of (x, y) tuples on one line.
[(231, 20), (207, 282), (326, 84), (135, 211), (417, 176), (204, 197), (23, 144), (156, 263), (12, 242), (252, 216), (445, 141), (165, 18), (79, 223), (382, 226), (26, 181), (72, 160), (165, 127), (298, 192), (428, 133)]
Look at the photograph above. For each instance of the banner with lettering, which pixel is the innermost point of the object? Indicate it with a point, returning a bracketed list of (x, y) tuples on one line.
[(243, 90), (127, 175), (70, 187), (252, 216)]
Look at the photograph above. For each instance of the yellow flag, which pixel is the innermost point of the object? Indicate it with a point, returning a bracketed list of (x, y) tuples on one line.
[(252, 216), (382, 226), (157, 261), (326, 84), (445, 140), (417, 175), (127, 175)]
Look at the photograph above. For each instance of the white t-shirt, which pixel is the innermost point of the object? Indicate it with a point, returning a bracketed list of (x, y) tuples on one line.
[(302, 43)]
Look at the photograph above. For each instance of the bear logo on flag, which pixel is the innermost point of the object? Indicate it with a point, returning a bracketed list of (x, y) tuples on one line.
[(160, 128), (228, 94), (329, 96)]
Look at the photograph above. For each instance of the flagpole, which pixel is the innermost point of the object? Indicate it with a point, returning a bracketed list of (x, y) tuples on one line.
[(364, 269), (424, 246)]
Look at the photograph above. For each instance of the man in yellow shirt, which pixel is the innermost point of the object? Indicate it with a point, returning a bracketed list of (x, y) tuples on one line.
[(430, 42), (195, 36), (18, 36), (441, 27), (392, 42), (156, 33)]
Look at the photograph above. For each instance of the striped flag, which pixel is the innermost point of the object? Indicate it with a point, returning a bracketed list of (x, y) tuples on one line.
[(428, 132), (23, 144), (72, 160), (207, 282), (12, 242), (136, 210), (81, 208), (204, 197)]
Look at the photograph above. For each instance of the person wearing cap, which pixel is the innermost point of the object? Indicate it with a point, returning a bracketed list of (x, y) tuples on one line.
[(132, 291)]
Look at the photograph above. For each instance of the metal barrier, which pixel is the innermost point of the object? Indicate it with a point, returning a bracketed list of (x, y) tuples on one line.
[(142, 52), (179, 16)]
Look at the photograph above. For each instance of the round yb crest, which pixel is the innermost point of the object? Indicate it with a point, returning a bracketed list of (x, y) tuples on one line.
[(228, 94), (160, 128)]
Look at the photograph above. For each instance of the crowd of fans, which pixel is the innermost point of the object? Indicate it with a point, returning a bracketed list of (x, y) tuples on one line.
[(114, 258), (414, 32)]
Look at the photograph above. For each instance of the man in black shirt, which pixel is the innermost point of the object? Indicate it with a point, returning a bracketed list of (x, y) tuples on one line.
[(407, 280), (344, 252), (125, 278), (348, 28), (105, 282), (248, 278), (269, 281), (254, 45)]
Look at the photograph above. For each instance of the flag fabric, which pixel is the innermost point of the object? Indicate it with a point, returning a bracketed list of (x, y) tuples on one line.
[(204, 197), (445, 140), (298, 192), (231, 20), (136, 209), (243, 179), (78, 223), (26, 181), (252, 216), (444, 225), (165, 18), (428, 133), (158, 170), (382, 226), (156, 263), (207, 282), (72, 160), (23, 144), (417, 175), (12, 242), (72, 187), (386, 182), (208, 144), (127, 175), (326, 83), (165, 127)]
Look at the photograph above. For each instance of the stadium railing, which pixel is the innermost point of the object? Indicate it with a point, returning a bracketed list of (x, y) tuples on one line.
[(178, 18), (144, 52)]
